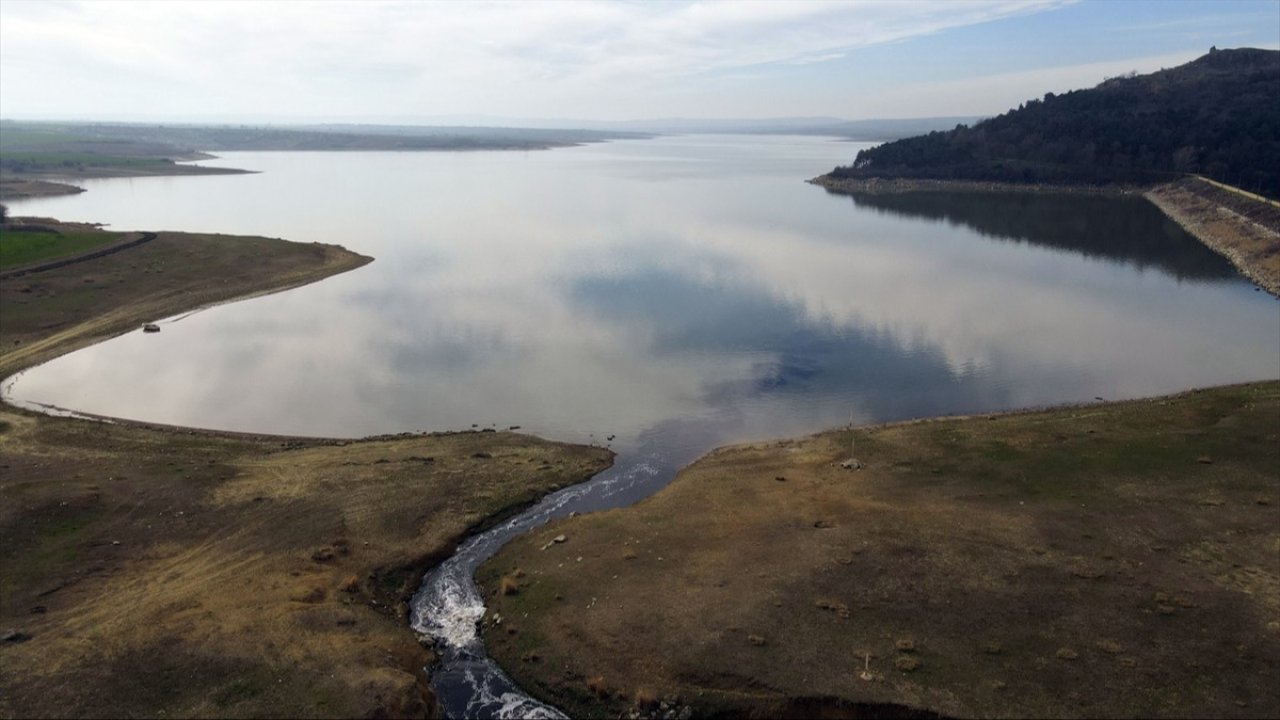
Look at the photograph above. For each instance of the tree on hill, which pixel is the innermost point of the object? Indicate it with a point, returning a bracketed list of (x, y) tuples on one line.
[(1217, 116)]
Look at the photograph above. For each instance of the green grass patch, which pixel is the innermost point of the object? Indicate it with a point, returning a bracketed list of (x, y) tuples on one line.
[(23, 248)]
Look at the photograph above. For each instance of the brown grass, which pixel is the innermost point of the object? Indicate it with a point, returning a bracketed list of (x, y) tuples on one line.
[(989, 543), (645, 698), (597, 686)]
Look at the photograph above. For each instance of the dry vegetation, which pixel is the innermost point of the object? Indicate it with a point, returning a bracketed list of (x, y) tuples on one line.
[(158, 571), (1115, 560)]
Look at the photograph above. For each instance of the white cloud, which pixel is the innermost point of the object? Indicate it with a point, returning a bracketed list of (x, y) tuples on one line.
[(422, 58)]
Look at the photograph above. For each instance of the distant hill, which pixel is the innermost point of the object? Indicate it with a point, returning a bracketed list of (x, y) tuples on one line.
[(27, 146), (872, 130), (1218, 116)]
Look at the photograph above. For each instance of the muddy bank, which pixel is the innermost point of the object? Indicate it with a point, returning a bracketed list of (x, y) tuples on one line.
[(1095, 561), (151, 570)]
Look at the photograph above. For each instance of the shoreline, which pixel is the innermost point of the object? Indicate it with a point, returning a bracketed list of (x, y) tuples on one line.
[(324, 540), (1250, 246), (29, 186), (115, 321), (851, 186)]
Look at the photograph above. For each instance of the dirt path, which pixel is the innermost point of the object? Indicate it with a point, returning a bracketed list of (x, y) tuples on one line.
[(145, 237)]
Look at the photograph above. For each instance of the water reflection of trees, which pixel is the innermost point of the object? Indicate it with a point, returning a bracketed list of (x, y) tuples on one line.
[(1129, 229)]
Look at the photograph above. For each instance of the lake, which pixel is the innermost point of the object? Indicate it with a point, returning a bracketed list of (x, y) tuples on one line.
[(663, 297), (692, 287)]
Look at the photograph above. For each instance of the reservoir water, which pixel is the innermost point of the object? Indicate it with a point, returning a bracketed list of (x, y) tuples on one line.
[(662, 296)]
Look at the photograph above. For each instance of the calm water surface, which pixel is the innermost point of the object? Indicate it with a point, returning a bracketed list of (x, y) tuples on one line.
[(618, 289), (664, 296)]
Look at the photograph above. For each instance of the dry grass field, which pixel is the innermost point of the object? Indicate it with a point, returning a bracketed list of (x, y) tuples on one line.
[(1112, 560)]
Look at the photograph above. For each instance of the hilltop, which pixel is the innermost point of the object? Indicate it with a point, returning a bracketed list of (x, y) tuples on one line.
[(1217, 116)]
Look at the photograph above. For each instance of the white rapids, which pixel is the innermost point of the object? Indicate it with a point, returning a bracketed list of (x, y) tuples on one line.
[(448, 607)]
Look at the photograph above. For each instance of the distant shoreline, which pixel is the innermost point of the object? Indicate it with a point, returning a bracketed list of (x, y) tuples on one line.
[(25, 188), (53, 184), (1243, 230), (850, 186)]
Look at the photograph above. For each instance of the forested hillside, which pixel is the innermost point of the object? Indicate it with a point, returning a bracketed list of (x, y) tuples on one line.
[(1217, 116)]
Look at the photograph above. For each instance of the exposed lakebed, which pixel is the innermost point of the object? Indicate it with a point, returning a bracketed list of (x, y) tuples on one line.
[(662, 296)]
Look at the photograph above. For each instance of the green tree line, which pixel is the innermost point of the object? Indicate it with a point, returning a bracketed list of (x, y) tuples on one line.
[(1217, 116)]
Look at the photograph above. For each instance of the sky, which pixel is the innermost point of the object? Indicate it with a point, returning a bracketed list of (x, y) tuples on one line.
[(369, 61)]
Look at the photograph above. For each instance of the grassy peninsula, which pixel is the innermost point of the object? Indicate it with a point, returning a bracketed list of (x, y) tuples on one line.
[(148, 571)]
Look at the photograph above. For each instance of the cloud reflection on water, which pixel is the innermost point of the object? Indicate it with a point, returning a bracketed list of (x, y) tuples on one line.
[(599, 291)]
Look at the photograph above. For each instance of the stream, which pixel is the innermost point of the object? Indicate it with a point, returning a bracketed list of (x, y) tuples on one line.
[(448, 607)]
